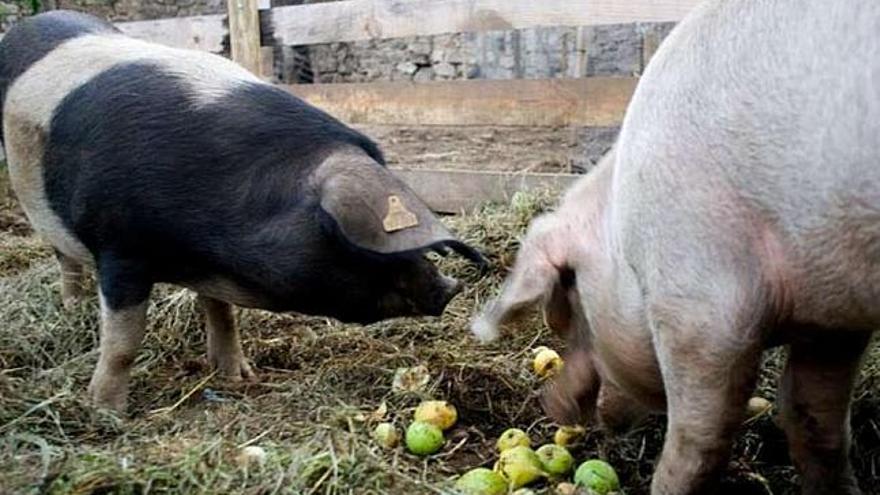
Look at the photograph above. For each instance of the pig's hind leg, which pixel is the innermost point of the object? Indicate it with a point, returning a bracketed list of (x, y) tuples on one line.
[(814, 399), (71, 279), (709, 347), (224, 344)]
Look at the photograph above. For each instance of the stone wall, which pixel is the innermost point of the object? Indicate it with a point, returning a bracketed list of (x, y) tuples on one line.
[(136, 10), (516, 54), (524, 53), (114, 10), (12, 12), (553, 52)]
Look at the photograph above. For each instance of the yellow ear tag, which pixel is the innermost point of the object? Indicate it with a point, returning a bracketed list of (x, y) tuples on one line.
[(398, 217)]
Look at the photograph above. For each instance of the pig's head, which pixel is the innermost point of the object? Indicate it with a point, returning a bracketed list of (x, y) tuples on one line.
[(554, 254), (378, 233), (543, 275)]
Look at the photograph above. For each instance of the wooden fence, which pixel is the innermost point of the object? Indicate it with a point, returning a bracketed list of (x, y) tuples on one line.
[(590, 101)]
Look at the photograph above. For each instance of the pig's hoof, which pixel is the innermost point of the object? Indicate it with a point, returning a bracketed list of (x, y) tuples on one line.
[(108, 396), (237, 370)]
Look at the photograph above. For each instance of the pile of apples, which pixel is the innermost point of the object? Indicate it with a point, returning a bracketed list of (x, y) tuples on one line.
[(517, 465)]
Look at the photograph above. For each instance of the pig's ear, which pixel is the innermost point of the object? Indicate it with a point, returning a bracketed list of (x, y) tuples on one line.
[(528, 284), (535, 277), (376, 211), (557, 305)]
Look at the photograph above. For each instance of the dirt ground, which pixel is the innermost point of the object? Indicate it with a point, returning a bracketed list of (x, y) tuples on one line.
[(520, 149), (321, 384)]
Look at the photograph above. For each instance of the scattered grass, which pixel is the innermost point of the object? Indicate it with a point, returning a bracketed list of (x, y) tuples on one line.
[(319, 382), (18, 248)]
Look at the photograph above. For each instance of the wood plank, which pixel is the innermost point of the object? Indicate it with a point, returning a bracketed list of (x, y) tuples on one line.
[(353, 20), (581, 52), (203, 32), (267, 63), (650, 44), (456, 191), (594, 101), (244, 33)]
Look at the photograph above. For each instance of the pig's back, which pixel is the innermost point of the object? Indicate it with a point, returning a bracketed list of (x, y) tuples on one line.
[(764, 116), (116, 144), (34, 38)]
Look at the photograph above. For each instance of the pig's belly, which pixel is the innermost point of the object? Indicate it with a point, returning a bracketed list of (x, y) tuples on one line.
[(834, 272)]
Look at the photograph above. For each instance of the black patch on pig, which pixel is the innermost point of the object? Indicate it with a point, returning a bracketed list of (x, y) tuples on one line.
[(33, 38), (162, 188)]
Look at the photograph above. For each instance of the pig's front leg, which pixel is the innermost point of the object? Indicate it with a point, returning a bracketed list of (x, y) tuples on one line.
[(814, 404), (709, 362), (71, 279), (124, 298), (224, 343)]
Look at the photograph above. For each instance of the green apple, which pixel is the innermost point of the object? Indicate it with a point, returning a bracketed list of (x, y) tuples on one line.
[(481, 481), (424, 438), (521, 466), (513, 437), (437, 412), (386, 435), (557, 461), (567, 435), (598, 476)]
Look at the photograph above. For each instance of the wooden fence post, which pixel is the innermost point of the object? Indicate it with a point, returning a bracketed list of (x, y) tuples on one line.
[(244, 33), (650, 43), (580, 64)]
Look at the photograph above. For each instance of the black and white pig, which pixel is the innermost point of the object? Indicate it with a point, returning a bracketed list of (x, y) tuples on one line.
[(155, 164), (739, 210)]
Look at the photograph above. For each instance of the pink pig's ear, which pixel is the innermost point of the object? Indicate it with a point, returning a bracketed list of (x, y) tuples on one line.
[(558, 304), (534, 278)]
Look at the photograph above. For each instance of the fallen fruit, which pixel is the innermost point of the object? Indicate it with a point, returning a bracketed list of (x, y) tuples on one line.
[(567, 435), (424, 438), (437, 412), (556, 460), (524, 491), (252, 455), (566, 489), (386, 435), (520, 465), (481, 481), (547, 362), (411, 379), (598, 476), (513, 437), (757, 406)]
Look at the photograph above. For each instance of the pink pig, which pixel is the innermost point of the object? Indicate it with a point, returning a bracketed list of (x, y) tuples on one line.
[(739, 210)]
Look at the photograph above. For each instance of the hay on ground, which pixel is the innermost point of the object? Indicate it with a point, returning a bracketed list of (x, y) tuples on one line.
[(311, 410)]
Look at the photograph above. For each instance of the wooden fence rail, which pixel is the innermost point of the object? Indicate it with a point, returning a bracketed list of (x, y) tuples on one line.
[(456, 191), (593, 101), (204, 32), (598, 101), (354, 20)]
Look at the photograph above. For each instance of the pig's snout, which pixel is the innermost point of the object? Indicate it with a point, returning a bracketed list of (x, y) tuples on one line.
[(448, 288), (452, 287), (571, 397)]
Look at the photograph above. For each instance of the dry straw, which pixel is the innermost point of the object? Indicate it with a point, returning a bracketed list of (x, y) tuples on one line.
[(311, 411)]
